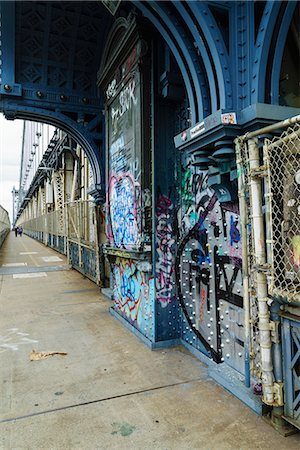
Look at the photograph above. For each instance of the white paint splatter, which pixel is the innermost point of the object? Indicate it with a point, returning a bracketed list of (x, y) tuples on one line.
[(28, 253), (51, 258), (12, 340), (30, 275), (16, 264)]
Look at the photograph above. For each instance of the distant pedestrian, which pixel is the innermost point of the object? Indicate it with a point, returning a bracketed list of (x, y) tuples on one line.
[(16, 231), (20, 231)]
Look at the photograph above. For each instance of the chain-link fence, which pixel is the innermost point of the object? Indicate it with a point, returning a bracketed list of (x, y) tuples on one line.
[(282, 160)]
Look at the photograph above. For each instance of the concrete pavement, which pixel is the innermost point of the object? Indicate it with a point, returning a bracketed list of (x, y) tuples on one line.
[(109, 391)]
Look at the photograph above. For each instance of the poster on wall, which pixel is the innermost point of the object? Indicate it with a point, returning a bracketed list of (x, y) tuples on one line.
[(124, 163)]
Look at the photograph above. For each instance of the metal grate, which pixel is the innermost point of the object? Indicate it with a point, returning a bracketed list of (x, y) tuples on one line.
[(282, 159)]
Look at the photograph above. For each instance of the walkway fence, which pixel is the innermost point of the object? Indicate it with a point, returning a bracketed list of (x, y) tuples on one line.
[(269, 192), (4, 224), (73, 231)]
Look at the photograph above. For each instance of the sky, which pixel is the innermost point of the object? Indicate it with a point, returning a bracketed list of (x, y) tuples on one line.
[(10, 159)]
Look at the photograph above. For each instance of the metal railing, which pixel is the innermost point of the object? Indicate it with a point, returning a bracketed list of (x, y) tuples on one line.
[(76, 222), (4, 224)]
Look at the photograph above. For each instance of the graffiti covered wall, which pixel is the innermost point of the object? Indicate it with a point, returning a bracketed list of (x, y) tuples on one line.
[(133, 292), (208, 270)]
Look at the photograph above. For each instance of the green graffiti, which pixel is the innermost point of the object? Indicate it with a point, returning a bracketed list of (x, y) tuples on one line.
[(123, 429), (186, 189)]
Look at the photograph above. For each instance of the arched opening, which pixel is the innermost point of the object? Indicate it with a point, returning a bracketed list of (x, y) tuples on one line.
[(55, 203)]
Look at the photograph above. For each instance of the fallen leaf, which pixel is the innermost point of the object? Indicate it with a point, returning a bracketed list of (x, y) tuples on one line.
[(36, 356)]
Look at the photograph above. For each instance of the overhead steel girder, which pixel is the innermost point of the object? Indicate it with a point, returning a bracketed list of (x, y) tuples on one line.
[(76, 130), (196, 41), (155, 20), (279, 49), (272, 33), (182, 42), (219, 53), (51, 52), (219, 76), (203, 52), (261, 51)]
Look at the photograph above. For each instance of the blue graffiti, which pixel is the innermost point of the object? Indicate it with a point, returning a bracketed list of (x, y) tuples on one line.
[(235, 235), (123, 214), (127, 287)]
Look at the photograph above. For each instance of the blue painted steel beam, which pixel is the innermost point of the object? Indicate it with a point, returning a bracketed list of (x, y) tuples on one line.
[(218, 51), (7, 46), (72, 53), (262, 48), (288, 378), (143, 7), (186, 50), (242, 40), (7, 10), (279, 49), (204, 55)]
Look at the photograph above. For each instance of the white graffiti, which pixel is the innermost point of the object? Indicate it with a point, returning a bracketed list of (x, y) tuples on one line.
[(111, 89), (13, 338), (127, 99)]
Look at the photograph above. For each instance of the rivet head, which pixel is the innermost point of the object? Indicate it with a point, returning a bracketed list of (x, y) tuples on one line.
[(7, 88)]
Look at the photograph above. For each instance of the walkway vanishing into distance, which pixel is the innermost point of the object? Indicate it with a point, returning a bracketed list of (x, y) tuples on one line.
[(109, 391)]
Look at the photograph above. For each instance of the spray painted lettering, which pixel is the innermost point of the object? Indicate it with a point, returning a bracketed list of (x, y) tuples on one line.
[(208, 268), (166, 247), (123, 200), (126, 101), (134, 295)]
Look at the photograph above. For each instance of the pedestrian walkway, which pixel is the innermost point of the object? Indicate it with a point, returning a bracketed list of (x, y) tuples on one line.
[(109, 391)]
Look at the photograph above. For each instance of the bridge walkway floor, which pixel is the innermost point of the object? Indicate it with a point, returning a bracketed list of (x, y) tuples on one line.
[(109, 391)]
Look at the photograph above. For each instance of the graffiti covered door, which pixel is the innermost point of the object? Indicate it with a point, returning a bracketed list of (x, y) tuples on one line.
[(208, 270), (124, 148)]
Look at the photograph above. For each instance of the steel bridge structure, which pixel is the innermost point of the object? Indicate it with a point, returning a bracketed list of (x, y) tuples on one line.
[(146, 180)]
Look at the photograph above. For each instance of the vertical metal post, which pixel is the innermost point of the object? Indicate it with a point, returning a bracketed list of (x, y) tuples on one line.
[(79, 218), (153, 191), (245, 268), (97, 253), (67, 233), (261, 279)]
